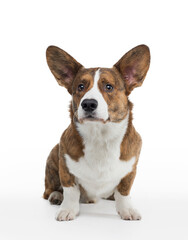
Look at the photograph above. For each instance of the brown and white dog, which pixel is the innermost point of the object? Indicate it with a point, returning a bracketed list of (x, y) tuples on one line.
[(98, 153)]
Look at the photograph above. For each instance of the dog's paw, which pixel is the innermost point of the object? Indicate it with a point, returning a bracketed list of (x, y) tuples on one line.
[(129, 214), (66, 214), (56, 198), (124, 207)]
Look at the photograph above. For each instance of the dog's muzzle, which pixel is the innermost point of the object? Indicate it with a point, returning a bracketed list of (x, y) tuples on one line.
[(89, 106), (90, 110)]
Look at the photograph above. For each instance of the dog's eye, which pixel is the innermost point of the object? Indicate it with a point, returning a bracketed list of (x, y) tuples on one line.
[(80, 87), (109, 88)]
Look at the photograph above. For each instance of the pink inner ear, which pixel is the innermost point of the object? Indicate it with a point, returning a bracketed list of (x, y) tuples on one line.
[(67, 74), (129, 73)]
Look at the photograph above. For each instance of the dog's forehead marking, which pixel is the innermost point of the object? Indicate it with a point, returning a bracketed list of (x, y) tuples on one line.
[(97, 77), (94, 91)]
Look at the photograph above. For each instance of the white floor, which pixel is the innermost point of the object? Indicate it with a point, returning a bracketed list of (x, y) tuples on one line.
[(33, 218)]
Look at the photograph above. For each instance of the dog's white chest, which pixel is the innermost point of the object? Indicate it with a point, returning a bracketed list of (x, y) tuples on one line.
[(100, 170), (99, 175)]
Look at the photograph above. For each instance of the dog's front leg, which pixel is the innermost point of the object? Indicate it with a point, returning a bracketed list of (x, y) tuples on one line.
[(123, 201), (69, 208)]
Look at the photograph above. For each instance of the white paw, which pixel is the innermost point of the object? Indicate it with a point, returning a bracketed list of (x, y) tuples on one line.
[(129, 214), (70, 205), (65, 214)]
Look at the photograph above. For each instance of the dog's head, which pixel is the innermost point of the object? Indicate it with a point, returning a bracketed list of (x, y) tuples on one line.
[(100, 94)]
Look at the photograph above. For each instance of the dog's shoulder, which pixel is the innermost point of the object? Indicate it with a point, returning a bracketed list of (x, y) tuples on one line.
[(131, 144), (71, 143)]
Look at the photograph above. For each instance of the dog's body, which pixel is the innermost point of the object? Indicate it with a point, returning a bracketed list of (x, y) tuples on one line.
[(98, 153)]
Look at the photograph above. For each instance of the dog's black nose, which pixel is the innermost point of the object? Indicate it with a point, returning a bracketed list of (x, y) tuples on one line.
[(89, 105)]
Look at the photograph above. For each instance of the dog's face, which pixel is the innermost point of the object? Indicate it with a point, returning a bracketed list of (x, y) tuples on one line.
[(100, 94)]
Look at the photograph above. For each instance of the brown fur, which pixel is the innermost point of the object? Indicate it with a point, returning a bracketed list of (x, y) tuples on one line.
[(63, 66), (130, 147), (127, 73), (133, 67), (116, 100), (126, 183), (52, 181)]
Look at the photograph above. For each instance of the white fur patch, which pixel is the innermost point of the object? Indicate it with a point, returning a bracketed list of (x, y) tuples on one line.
[(124, 207), (94, 93), (101, 170), (70, 205)]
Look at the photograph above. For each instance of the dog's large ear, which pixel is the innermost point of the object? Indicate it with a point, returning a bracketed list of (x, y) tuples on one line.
[(133, 67), (63, 66)]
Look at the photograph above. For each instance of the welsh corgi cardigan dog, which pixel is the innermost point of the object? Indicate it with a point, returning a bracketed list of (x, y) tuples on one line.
[(98, 153)]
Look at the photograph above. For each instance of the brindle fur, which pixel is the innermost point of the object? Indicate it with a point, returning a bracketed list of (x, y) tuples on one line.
[(128, 73)]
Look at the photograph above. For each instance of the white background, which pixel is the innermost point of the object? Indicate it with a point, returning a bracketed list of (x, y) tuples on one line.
[(34, 113)]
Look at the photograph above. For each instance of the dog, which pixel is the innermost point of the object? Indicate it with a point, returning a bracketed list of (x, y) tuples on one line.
[(98, 153)]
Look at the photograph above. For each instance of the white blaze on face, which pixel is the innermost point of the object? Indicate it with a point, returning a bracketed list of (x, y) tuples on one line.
[(101, 111)]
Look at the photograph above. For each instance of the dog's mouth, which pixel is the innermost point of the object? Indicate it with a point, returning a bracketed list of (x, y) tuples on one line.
[(92, 118), (89, 116)]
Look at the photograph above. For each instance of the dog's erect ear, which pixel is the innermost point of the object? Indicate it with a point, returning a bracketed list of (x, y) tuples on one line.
[(63, 66), (133, 67)]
